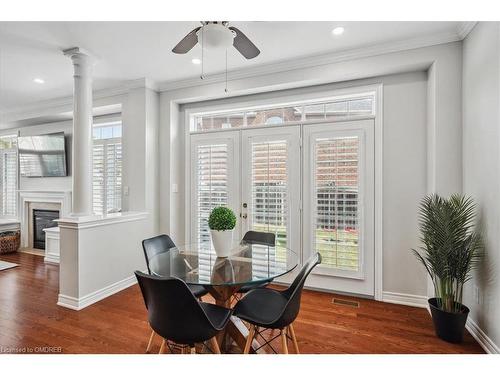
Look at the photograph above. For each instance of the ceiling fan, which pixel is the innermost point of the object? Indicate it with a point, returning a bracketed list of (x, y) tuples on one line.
[(217, 35)]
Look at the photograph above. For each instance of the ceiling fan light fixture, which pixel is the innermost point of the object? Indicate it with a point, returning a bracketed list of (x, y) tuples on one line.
[(217, 36), (338, 30)]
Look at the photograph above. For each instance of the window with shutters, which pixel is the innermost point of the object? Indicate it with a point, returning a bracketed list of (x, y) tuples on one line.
[(107, 168), (269, 189), (8, 175), (212, 180), (336, 185)]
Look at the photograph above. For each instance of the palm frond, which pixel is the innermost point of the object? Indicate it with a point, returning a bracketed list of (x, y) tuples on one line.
[(451, 247)]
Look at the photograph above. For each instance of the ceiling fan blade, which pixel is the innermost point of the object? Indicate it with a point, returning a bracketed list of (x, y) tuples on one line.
[(188, 42), (244, 45)]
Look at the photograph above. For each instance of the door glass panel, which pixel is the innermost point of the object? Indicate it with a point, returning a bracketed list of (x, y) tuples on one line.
[(269, 193), (212, 184), (336, 228)]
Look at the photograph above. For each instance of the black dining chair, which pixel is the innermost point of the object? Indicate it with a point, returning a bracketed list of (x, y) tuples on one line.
[(258, 238), (176, 315), (162, 244), (272, 309)]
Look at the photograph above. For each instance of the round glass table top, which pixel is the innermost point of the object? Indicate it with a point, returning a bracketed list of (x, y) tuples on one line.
[(248, 263)]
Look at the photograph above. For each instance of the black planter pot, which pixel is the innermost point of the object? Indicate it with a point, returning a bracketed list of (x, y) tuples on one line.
[(448, 326)]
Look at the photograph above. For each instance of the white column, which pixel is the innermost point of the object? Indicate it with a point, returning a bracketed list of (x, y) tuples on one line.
[(82, 132)]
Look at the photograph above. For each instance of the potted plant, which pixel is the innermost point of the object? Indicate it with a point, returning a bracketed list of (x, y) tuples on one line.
[(221, 223), (450, 250)]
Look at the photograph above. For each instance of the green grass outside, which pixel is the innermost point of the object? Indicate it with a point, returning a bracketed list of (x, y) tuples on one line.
[(339, 253)]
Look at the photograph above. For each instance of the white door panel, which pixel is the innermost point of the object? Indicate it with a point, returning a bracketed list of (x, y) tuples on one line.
[(214, 179), (270, 184), (338, 204)]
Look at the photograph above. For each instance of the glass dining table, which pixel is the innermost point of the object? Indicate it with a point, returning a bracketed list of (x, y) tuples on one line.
[(247, 264)]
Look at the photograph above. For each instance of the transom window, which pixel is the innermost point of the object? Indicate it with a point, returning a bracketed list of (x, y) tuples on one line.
[(339, 108)]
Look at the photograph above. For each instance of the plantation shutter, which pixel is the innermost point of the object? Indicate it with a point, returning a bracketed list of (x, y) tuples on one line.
[(98, 178), (212, 184), (269, 206), (336, 237), (113, 176), (107, 169), (8, 172)]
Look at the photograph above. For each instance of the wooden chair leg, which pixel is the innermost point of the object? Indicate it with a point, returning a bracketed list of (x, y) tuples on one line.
[(193, 350), (215, 345), (283, 341), (150, 341), (294, 338), (248, 344), (162, 347)]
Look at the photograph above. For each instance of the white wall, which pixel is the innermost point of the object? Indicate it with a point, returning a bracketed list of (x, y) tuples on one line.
[(140, 118), (481, 166)]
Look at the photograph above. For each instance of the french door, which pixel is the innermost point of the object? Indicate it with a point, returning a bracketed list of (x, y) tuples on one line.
[(215, 179), (270, 175), (339, 195), (311, 185)]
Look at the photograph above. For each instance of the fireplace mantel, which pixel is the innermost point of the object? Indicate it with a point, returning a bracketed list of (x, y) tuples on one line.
[(63, 198)]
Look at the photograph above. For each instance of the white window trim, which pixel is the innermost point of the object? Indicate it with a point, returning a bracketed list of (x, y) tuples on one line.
[(105, 142), (284, 101), (16, 151), (354, 91)]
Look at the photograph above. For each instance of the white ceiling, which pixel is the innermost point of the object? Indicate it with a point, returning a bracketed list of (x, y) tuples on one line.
[(132, 50)]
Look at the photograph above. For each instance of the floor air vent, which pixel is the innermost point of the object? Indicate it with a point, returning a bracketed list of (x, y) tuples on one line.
[(345, 302)]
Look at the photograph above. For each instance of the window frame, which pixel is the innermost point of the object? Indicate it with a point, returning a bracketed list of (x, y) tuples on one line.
[(105, 142), (325, 97), (265, 99), (13, 150)]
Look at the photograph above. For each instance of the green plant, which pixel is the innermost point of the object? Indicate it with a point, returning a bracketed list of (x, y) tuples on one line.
[(450, 247), (222, 218)]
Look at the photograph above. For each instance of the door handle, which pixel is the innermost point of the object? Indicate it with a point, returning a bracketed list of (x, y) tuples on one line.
[(244, 216)]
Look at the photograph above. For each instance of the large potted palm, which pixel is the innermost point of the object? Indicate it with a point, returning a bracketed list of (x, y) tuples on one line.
[(451, 247)]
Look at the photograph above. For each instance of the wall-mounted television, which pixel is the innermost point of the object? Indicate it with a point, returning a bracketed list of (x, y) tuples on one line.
[(42, 155)]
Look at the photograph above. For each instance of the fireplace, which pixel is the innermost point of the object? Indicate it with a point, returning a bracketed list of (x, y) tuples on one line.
[(42, 219)]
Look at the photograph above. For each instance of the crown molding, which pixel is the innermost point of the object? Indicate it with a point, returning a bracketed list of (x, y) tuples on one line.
[(64, 104), (281, 66), (315, 60), (465, 28)]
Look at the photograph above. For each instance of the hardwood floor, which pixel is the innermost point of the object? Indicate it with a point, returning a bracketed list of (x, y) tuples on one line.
[(30, 319)]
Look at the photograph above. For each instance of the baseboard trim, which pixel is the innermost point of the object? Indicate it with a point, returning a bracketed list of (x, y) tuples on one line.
[(482, 338), (405, 299), (51, 259), (91, 298)]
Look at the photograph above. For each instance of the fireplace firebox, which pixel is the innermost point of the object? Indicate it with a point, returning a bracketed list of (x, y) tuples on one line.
[(42, 219)]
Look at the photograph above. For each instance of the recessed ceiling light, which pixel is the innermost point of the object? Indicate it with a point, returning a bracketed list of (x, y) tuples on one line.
[(196, 61), (38, 80), (338, 30)]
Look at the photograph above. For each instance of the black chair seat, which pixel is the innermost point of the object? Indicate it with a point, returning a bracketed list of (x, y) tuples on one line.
[(259, 238), (217, 315), (197, 290), (162, 244), (247, 288), (175, 314), (261, 307)]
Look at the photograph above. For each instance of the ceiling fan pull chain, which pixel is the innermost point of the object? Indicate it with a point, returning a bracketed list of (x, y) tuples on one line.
[(225, 90), (202, 52)]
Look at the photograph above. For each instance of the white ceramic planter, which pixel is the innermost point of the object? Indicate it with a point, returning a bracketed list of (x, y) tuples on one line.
[(222, 240)]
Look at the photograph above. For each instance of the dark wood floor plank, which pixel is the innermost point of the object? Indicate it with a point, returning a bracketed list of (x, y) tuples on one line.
[(29, 317)]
